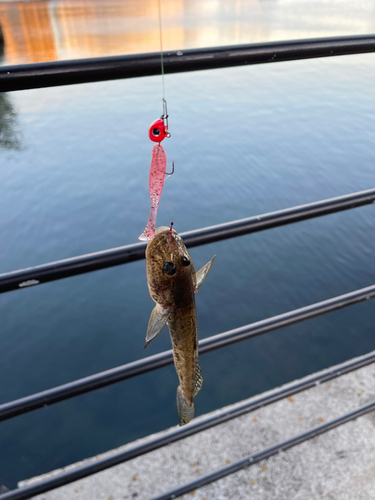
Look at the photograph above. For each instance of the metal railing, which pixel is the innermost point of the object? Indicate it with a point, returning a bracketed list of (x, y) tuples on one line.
[(131, 253), (200, 425), (51, 74), (80, 71), (130, 370)]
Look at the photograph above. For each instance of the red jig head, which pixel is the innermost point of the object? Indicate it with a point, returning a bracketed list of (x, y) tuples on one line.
[(158, 130)]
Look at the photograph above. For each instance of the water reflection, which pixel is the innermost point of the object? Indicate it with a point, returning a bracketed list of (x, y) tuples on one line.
[(10, 134), (48, 30), (1, 45)]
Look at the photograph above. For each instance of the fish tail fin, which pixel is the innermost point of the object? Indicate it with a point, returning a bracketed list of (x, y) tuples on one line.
[(185, 409)]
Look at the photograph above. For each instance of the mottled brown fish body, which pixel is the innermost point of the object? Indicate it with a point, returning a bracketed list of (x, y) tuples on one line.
[(173, 283), (183, 328)]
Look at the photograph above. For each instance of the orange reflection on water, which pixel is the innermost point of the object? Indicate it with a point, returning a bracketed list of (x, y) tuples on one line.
[(27, 32), (46, 30), (49, 30)]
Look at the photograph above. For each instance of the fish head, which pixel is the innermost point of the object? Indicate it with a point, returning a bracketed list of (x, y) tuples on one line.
[(168, 266)]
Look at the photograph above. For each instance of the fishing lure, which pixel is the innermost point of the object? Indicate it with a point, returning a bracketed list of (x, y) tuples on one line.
[(158, 131)]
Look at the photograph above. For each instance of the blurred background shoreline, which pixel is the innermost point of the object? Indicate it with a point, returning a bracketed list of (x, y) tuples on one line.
[(49, 30)]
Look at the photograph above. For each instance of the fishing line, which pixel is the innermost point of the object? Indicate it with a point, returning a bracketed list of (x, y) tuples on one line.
[(157, 132), (161, 50)]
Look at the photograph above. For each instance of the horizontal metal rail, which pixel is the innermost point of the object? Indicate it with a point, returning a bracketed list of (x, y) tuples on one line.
[(49, 74), (196, 426), (118, 374), (257, 457), (74, 266)]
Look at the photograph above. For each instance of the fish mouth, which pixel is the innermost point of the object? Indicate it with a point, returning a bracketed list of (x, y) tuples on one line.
[(159, 238), (161, 229), (165, 242)]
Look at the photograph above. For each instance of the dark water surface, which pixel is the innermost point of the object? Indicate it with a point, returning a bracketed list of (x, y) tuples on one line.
[(245, 141)]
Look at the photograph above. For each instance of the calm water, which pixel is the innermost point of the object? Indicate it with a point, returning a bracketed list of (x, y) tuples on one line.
[(245, 141)]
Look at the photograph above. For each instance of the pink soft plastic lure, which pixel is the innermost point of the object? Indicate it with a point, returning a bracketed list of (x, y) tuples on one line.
[(157, 175)]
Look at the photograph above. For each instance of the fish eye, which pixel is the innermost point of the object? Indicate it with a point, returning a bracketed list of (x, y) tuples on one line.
[(170, 268), (155, 132), (185, 261)]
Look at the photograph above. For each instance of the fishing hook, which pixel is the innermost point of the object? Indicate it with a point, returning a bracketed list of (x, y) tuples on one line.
[(171, 173)]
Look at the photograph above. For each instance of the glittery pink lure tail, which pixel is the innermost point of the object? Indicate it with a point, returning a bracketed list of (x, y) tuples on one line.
[(157, 176)]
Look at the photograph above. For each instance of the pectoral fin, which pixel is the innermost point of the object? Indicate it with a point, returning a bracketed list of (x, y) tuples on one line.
[(202, 274), (157, 321)]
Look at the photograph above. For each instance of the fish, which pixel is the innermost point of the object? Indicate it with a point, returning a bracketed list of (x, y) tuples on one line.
[(173, 283), (156, 182)]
